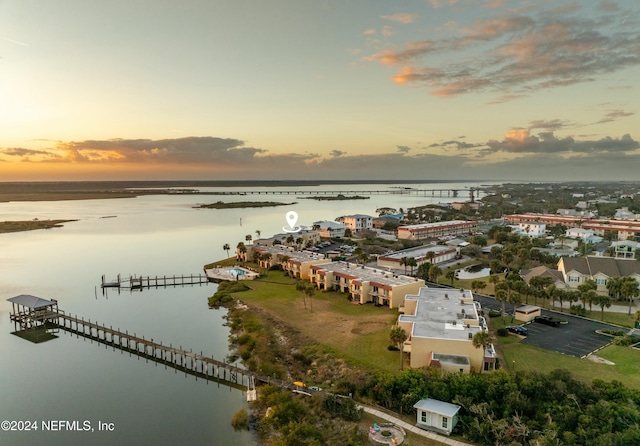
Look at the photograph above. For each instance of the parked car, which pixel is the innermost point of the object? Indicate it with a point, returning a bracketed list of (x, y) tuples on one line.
[(547, 320), (518, 329)]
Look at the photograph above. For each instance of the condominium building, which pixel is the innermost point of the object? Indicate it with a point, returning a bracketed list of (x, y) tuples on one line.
[(625, 229), (437, 230), (440, 324), (297, 263), (364, 284)]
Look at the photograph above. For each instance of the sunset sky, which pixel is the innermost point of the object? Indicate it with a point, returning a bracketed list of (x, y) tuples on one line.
[(319, 89)]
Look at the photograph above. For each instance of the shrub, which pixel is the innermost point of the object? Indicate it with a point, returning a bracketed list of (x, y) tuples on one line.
[(240, 420), (392, 348), (578, 310), (494, 313), (502, 332)]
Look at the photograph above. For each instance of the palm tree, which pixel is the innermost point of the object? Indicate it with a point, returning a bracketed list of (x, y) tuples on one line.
[(300, 286), (248, 237), (290, 239), (614, 285), (258, 233), (403, 261), (411, 261), (429, 256), (501, 296), (227, 248), (630, 290), (451, 275), (603, 301), (481, 339), (310, 291), (397, 337), (242, 249), (299, 242), (590, 297), (514, 299), (434, 273)]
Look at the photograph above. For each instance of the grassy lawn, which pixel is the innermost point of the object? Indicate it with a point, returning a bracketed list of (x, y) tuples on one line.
[(359, 333)]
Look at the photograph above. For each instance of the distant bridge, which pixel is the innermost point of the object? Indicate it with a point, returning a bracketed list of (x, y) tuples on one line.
[(472, 192)]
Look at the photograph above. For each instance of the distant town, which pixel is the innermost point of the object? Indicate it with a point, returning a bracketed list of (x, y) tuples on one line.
[(553, 266)]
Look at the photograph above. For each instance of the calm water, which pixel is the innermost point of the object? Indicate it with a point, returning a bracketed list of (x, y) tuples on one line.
[(74, 379)]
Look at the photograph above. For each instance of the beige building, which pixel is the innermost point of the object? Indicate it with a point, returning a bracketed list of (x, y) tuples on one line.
[(440, 324), (364, 284), (297, 263), (437, 230)]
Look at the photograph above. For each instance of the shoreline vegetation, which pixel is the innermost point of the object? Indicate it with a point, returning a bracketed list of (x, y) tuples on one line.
[(242, 204), (30, 225)]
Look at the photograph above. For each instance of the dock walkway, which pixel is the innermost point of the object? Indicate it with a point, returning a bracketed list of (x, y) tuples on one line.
[(194, 363)]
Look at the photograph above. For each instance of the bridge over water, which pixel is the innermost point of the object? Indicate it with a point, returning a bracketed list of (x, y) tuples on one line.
[(471, 192)]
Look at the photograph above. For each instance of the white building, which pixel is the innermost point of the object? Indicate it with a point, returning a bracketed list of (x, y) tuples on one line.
[(330, 229), (579, 233), (358, 222), (533, 229)]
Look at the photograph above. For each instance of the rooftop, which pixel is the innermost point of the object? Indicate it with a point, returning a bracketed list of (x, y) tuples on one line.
[(366, 274), (418, 252), (29, 301), (440, 313), (437, 406), (435, 225)]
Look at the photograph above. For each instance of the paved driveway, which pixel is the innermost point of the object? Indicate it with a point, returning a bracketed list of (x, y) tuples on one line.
[(576, 338)]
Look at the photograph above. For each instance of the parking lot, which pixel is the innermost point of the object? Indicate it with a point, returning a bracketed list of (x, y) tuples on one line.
[(576, 338)]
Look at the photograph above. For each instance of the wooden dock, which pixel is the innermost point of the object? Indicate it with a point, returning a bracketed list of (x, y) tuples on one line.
[(189, 362), (142, 282)]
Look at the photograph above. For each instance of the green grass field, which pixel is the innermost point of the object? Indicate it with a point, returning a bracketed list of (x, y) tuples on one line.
[(359, 333)]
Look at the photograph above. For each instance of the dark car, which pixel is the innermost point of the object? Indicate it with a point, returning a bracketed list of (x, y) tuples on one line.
[(519, 330), (547, 320)]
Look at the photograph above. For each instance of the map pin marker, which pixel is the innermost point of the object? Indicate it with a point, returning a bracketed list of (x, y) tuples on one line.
[(292, 218)]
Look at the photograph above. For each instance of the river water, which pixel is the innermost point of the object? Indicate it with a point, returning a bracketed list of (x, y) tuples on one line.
[(76, 380)]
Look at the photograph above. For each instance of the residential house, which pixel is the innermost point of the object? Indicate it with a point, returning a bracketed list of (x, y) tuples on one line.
[(440, 324), (330, 229), (579, 233), (533, 229), (357, 222), (436, 415), (364, 284), (544, 271), (577, 270), (625, 249)]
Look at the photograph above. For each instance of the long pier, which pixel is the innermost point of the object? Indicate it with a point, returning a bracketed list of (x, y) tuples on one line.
[(189, 362), (139, 283)]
